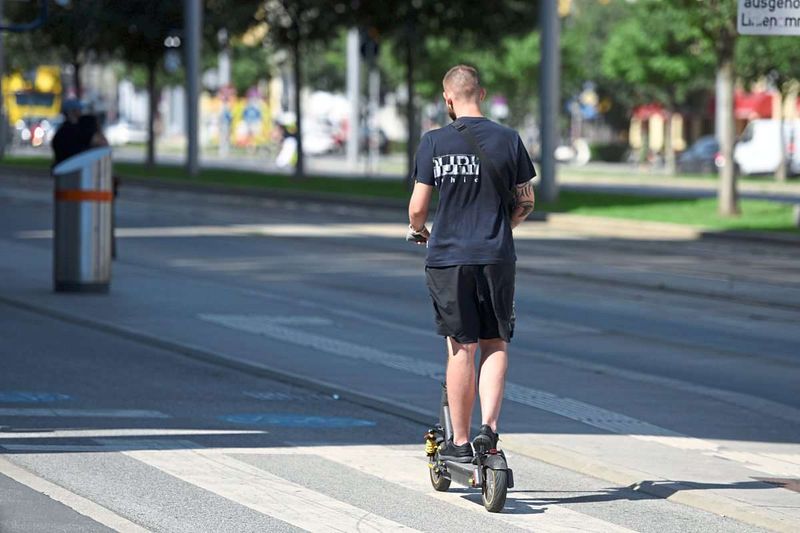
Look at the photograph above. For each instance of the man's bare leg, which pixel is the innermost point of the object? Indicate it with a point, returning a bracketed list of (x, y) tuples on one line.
[(460, 387), (492, 379)]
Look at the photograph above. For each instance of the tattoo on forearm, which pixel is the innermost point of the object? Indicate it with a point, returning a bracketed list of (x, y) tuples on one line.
[(525, 189), (524, 209)]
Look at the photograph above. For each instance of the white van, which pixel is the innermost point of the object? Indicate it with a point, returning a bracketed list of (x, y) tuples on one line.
[(758, 150)]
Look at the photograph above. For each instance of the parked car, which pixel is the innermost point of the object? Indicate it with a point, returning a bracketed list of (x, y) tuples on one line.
[(701, 156), (758, 150), (123, 132)]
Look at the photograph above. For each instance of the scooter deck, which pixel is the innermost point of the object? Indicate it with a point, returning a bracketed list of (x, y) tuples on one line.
[(470, 474), (466, 474)]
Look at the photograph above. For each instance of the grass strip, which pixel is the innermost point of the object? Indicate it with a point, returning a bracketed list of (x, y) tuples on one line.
[(760, 215)]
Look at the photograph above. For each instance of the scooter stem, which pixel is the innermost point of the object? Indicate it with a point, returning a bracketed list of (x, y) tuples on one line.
[(444, 416)]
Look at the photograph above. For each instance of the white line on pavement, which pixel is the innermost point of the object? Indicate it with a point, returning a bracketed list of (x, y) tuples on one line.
[(61, 448), (82, 413), (409, 469), (124, 432), (747, 401), (264, 492), (752, 403), (213, 469), (784, 465), (567, 407), (88, 508)]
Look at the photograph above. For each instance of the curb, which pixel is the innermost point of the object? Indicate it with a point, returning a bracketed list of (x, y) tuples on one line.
[(632, 479)]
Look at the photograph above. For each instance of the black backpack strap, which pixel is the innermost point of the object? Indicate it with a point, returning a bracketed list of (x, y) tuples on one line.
[(506, 196)]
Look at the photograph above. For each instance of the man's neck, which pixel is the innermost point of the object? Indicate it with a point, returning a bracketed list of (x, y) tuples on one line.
[(469, 112)]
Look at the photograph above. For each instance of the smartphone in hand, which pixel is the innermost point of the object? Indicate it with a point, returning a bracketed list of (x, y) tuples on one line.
[(418, 237)]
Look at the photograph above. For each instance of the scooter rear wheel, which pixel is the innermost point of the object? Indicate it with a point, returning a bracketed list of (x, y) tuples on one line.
[(494, 490)]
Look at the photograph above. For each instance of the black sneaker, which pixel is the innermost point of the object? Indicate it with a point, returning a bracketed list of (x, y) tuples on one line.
[(458, 454), (486, 439)]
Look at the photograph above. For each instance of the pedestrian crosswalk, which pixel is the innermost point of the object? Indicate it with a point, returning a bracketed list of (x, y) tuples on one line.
[(227, 473)]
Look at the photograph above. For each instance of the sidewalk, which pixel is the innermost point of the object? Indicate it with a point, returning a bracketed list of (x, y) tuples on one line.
[(226, 325)]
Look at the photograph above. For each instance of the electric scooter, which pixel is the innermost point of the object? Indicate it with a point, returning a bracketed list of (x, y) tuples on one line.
[(488, 470)]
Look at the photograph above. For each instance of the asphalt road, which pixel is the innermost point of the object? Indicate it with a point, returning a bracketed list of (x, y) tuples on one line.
[(696, 394)]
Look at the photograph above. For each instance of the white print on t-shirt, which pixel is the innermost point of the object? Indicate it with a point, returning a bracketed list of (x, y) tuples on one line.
[(464, 166)]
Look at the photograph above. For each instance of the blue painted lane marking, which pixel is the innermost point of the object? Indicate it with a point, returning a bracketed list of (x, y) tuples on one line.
[(271, 396), (31, 397), (296, 420)]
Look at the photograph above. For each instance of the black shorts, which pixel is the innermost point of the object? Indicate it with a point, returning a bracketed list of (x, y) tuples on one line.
[(473, 302)]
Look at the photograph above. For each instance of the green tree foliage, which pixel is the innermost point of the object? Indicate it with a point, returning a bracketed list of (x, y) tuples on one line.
[(249, 65), (293, 25), (661, 56), (136, 30), (411, 25), (325, 63), (658, 54), (584, 36)]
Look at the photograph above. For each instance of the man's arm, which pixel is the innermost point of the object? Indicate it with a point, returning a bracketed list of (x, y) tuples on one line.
[(418, 206), (525, 201)]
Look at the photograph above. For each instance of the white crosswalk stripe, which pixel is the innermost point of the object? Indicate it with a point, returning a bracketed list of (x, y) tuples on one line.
[(80, 504), (264, 492), (409, 469), (579, 411), (218, 471)]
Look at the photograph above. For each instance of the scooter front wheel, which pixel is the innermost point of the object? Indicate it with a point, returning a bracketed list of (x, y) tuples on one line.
[(494, 490), (439, 482)]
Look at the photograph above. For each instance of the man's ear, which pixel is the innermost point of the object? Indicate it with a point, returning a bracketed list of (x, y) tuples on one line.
[(483, 94)]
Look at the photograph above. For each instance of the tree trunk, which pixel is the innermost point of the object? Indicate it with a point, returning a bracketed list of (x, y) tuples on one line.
[(728, 198), (151, 117), (669, 148), (780, 172), (644, 149), (411, 111), (299, 170), (76, 69)]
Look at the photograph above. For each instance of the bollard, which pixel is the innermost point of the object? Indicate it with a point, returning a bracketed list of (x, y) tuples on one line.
[(82, 222), (796, 215)]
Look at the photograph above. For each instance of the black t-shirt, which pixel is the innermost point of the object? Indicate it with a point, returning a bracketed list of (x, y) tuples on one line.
[(72, 139), (471, 227)]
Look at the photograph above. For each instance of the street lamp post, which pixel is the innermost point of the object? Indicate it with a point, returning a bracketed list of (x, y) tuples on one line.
[(353, 95), (549, 80), (193, 23)]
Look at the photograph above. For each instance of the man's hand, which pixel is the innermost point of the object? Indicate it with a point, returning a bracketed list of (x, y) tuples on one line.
[(420, 236), (525, 201)]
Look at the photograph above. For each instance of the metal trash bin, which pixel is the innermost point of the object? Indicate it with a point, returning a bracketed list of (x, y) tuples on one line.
[(82, 229)]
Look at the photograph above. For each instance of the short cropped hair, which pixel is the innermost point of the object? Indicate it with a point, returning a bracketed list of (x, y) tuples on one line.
[(463, 82)]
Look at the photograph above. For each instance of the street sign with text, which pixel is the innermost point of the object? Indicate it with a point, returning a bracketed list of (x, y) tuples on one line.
[(768, 17)]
